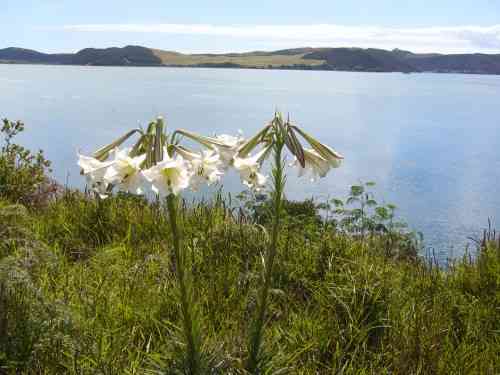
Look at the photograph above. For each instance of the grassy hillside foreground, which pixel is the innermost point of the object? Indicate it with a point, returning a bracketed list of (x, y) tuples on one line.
[(87, 287)]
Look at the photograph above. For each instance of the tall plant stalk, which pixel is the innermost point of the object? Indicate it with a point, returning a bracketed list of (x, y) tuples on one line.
[(189, 321), (170, 167), (257, 328)]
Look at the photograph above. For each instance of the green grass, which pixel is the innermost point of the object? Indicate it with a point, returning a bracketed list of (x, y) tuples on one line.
[(88, 287), (259, 60)]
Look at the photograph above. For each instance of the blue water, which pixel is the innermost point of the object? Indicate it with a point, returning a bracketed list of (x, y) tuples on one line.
[(429, 141)]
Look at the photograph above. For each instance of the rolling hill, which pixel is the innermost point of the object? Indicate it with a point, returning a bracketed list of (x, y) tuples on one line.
[(346, 59)]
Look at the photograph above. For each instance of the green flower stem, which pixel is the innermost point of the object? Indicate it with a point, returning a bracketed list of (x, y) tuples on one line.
[(193, 350), (277, 195)]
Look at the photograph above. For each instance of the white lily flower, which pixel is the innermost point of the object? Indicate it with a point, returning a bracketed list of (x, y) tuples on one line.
[(125, 172), (256, 181), (230, 140), (249, 170), (205, 168), (229, 149), (169, 176), (316, 165), (94, 171)]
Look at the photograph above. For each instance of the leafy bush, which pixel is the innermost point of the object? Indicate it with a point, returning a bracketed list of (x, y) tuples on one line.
[(23, 174), (359, 215)]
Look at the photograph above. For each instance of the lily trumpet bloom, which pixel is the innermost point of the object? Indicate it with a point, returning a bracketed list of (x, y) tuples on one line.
[(204, 166), (249, 170), (316, 165), (228, 147), (94, 171), (125, 172), (169, 176), (316, 161)]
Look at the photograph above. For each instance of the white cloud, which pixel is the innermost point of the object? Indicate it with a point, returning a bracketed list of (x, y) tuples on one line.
[(458, 39)]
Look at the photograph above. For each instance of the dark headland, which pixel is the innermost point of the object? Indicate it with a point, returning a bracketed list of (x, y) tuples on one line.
[(343, 59)]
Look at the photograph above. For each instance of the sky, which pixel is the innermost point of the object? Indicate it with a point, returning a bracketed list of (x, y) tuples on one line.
[(445, 26)]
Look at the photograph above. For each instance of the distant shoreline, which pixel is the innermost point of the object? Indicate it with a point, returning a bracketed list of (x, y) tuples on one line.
[(249, 68), (318, 59)]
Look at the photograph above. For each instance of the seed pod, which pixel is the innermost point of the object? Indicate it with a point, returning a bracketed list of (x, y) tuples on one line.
[(325, 151), (249, 145), (103, 153), (186, 153), (266, 153), (294, 146), (158, 144), (205, 141)]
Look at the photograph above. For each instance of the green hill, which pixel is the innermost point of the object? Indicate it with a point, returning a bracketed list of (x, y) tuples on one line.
[(347, 59)]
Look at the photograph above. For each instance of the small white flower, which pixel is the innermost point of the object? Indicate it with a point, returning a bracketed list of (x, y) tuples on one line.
[(94, 171), (229, 148), (171, 175), (249, 170), (125, 172), (316, 165)]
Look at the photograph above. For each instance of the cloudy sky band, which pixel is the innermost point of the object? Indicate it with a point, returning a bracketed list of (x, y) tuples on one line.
[(458, 39)]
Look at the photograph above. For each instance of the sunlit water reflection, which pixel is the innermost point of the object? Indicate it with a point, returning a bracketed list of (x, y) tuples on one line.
[(429, 141)]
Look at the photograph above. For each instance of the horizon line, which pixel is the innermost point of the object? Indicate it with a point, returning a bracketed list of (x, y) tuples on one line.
[(264, 50)]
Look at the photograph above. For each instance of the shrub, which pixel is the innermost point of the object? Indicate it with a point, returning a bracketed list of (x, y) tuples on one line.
[(23, 174)]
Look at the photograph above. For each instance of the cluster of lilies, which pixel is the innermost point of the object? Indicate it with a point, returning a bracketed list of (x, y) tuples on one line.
[(159, 163)]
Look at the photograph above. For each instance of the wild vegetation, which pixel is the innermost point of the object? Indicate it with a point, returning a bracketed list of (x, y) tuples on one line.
[(92, 286)]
